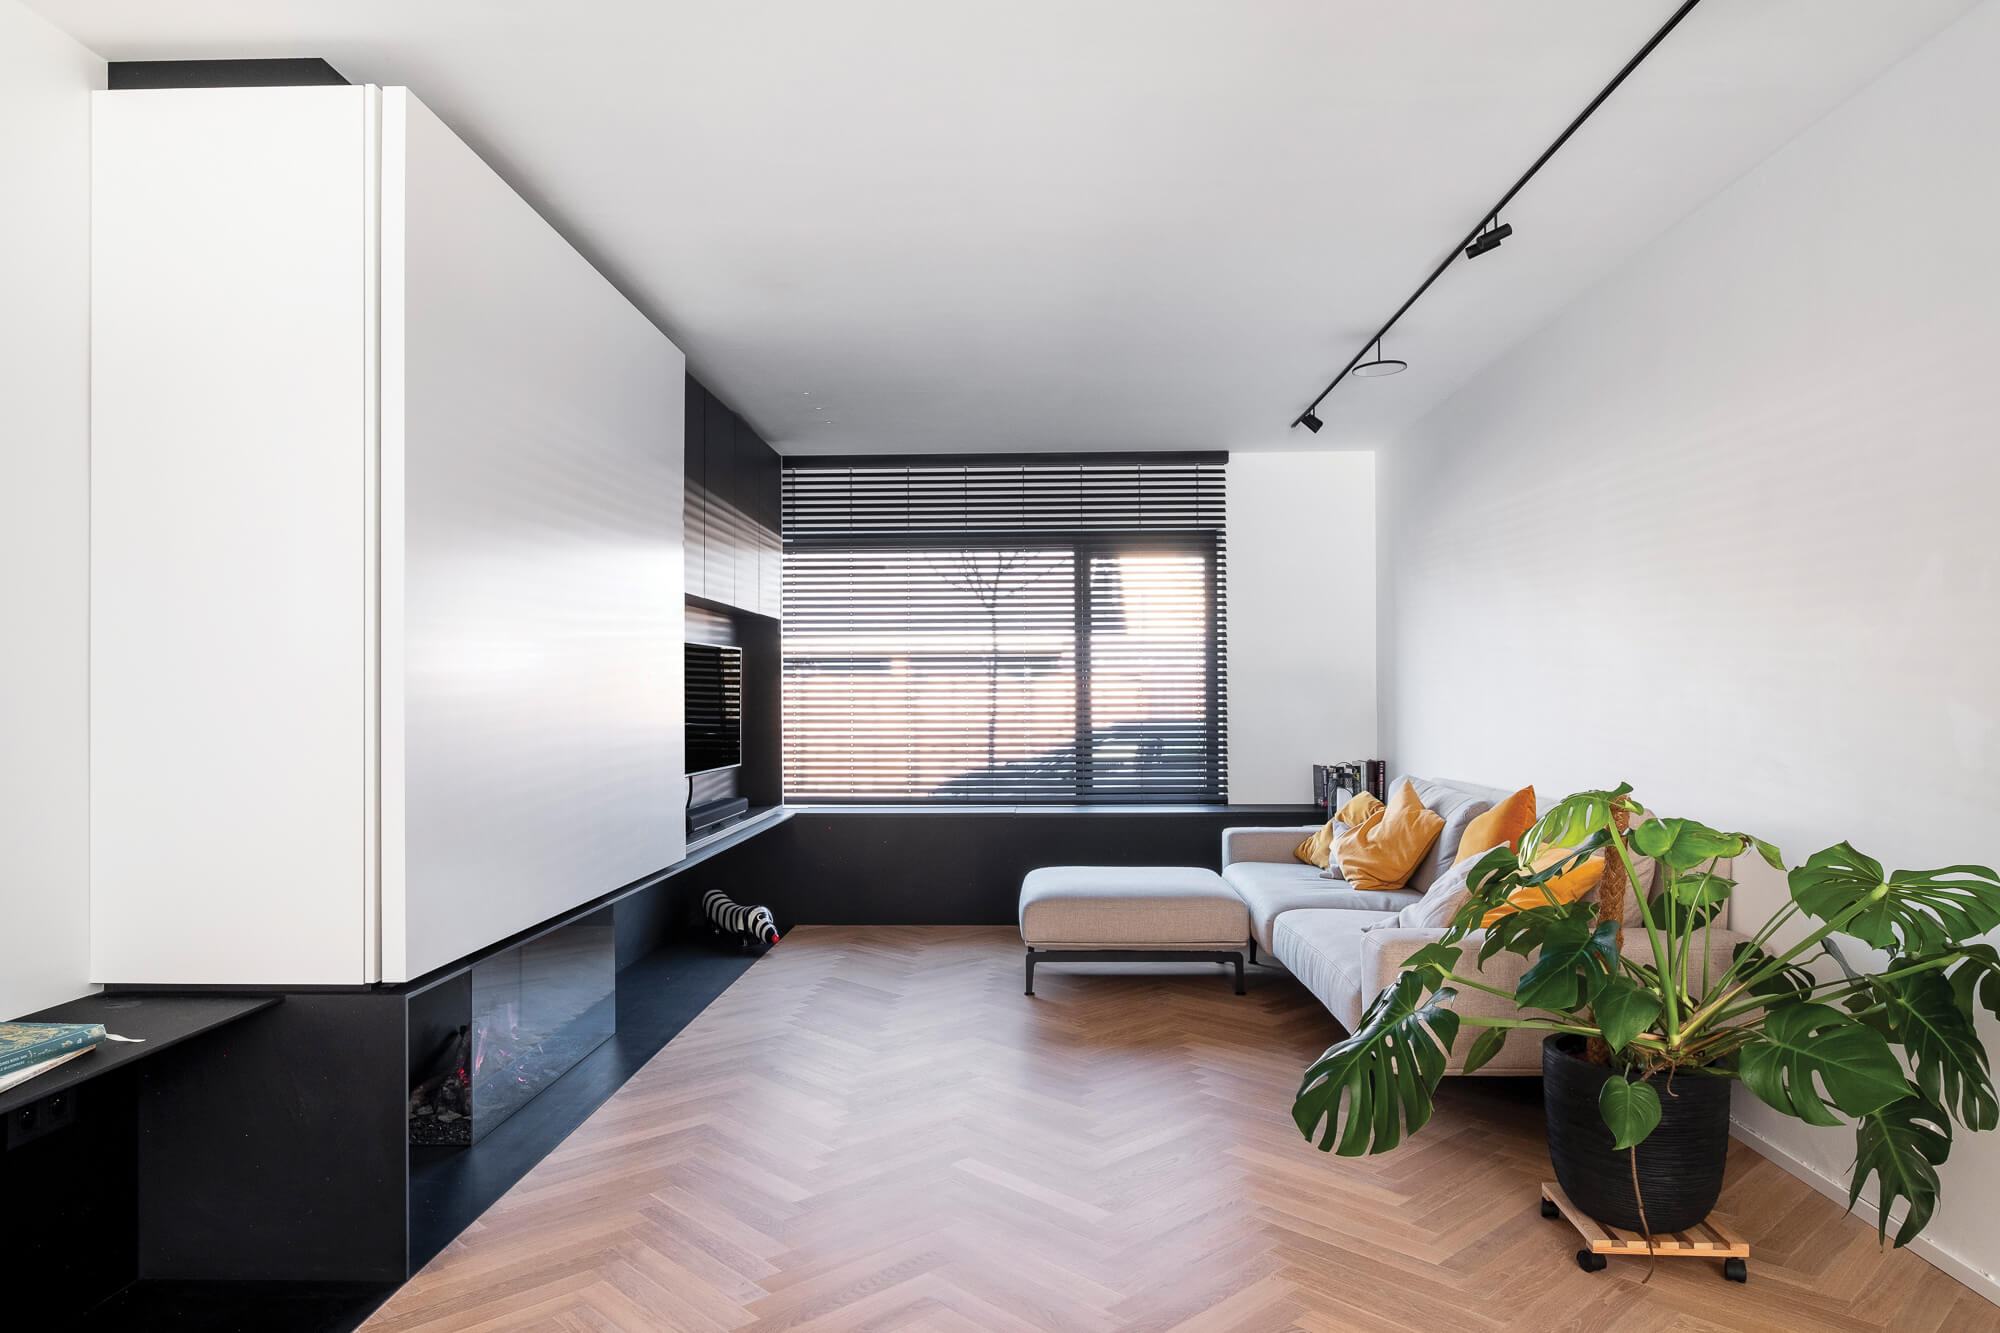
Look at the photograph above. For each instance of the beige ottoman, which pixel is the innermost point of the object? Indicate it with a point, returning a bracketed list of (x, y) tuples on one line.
[(1132, 914)]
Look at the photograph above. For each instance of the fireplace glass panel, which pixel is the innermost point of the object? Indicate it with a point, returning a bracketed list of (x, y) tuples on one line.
[(537, 1010)]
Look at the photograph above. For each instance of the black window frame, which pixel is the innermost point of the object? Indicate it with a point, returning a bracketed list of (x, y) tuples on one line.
[(1206, 539)]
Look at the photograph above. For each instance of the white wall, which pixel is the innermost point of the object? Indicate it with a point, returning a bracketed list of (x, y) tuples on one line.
[(1301, 619), (1727, 528), (45, 85), (230, 482)]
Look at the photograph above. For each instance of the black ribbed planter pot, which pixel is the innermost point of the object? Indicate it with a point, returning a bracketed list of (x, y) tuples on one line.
[(1680, 1163)]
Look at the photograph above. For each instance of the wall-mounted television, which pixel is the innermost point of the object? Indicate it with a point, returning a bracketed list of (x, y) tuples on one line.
[(714, 707)]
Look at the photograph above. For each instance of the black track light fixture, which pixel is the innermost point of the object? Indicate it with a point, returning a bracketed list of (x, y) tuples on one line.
[(1490, 231), (1490, 238), (1379, 365)]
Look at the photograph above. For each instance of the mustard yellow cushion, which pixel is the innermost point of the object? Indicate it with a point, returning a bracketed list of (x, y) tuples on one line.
[(1318, 849), (1565, 888), (1505, 822), (1355, 813), (1315, 850), (1379, 853)]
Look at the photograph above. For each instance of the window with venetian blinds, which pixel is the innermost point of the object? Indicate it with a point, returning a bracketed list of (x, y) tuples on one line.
[(1045, 629)]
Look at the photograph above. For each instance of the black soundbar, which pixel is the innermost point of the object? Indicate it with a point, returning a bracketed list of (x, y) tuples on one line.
[(712, 815)]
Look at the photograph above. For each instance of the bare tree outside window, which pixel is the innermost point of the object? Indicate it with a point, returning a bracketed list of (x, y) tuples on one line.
[(988, 577)]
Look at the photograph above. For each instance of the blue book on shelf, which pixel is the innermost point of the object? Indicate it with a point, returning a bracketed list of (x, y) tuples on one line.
[(25, 1044)]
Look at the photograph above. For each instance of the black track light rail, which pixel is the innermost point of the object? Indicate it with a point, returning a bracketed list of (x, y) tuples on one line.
[(1492, 214)]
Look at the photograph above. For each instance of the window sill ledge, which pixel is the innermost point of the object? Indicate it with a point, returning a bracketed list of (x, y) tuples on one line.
[(1295, 813)]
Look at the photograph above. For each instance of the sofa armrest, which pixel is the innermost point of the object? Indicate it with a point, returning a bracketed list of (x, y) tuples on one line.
[(1385, 950), (1263, 844)]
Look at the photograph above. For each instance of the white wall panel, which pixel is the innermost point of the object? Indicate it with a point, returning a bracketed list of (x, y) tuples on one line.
[(387, 538), (541, 441), (228, 508), (1301, 619), (45, 85)]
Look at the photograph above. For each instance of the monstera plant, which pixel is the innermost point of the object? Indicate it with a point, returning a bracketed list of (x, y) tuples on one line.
[(1890, 1047)]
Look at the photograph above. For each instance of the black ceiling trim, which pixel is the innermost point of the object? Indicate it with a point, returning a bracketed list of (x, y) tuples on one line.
[(1191, 458), (122, 75)]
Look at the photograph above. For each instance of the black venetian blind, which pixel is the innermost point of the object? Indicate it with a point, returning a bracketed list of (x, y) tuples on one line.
[(1046, 628)]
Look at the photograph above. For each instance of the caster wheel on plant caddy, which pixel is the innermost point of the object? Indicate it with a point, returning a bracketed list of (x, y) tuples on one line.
[(1549, 1208), (1590, 1263), (1736, 1270)]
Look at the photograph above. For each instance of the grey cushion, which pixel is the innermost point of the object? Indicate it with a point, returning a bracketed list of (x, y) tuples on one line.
[(1460, 803), (1442, 901), (1322, 947), (1270, 889), (1132, 907)]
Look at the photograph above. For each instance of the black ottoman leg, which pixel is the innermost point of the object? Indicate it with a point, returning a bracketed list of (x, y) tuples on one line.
[(1031, 973), (1239, 973)]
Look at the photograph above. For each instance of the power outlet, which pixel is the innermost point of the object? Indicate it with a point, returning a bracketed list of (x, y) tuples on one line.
[(27, 1123)]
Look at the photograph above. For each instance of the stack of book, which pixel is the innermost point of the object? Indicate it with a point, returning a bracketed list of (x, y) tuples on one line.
[(28, 1049), (1333, 783)]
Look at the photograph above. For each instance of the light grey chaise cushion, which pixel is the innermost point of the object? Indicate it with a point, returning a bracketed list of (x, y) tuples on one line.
[(1323, 950), (1270, 888), (1131, 907)]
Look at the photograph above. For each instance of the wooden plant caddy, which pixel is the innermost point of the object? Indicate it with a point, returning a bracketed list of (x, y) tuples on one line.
[(1710, 1239)]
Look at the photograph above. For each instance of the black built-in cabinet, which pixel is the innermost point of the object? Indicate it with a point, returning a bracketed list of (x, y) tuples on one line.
[(734, 583), (733, 557)]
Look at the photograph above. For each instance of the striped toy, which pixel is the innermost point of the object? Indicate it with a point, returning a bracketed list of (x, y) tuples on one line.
[(751, 925)]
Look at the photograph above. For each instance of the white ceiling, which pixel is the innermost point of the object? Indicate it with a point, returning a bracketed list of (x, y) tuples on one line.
[(1078, 224)]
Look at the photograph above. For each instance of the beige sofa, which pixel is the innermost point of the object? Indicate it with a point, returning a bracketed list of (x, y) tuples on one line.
[(1258, 863), (1343, 945)]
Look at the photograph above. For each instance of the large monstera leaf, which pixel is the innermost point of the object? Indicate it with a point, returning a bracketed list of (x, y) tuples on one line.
[(1921, 1012), (1624, 1009), (1682, 844), (1494, 866), (1499, 875), (1976, 978), (1569, 821), (1903, 1144), (1910, 911), (1579, 956), (1378, 1085), (1804, 1045), (1524, 929)]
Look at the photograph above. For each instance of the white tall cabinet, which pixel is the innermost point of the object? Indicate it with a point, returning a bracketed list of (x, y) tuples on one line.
[(386, 549)]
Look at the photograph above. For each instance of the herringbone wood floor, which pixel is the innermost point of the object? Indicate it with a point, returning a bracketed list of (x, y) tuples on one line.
[(875, 1129)]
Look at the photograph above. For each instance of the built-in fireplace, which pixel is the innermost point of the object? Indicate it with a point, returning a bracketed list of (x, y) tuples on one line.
[(485, 1040)]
